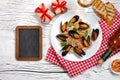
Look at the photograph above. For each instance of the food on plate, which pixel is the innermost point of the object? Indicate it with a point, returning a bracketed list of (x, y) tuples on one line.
[(115, 66), (100, 9), (79, 51), (110, 13), (66, 49), (95, 34), (62, 37), (83, 25), (76, 36), (85, 3), (104, 11), (74, 19), (63, 26), (85, 42)]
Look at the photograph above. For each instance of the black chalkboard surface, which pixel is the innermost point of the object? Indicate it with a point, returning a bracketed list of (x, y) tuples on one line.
[(28, 43)]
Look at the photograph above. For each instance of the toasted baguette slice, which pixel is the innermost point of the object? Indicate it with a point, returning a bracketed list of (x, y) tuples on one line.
[(111, 13), (100, 9)]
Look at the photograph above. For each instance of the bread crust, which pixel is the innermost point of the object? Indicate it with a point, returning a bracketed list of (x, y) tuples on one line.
[(95, 8), (104, 11), (110, 14)]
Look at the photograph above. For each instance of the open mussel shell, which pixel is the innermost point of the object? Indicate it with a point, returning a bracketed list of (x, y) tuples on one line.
[(74, 34), (62, 37), (63, 27), (79, 51), (66, 49), (83, 25), (88, 39), (95, 34), (74, 19), (85, 42)]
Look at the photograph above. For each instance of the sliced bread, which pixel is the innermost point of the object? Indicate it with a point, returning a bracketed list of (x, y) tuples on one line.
[(100, 9), (111, 13)]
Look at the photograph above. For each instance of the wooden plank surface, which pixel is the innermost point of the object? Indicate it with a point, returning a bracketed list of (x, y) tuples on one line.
[(21, 12)]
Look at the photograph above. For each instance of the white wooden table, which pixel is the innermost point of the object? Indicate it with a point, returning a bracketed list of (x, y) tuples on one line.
[(21, 12)]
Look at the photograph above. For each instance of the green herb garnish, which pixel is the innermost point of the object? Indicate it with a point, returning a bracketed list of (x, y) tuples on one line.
[(86, 33), (74, 29), (70, 24), (64, 43)]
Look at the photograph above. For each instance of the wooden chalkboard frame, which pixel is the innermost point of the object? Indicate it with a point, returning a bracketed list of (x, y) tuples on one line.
[(18, 28)]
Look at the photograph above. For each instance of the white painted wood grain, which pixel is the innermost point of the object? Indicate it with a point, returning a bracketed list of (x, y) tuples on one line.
[(21, 12)]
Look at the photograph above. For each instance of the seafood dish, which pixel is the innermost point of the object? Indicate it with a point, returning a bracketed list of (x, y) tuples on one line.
[(76, 36)]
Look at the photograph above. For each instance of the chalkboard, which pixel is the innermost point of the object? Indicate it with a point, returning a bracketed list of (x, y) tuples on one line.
[(28, 43)]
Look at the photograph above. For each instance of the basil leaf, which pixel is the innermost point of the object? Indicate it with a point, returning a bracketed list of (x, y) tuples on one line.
[(70, 24), (74, 29), (64, 43), (86, 33)]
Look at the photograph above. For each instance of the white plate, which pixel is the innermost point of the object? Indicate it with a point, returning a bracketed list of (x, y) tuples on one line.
[(86, 17)]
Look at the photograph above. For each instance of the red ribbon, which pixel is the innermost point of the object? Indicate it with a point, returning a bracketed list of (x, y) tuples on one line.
[(59, 5), (44, 13)]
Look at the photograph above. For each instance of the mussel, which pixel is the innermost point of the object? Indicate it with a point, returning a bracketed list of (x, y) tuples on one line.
[(74, 19), (63, 27), (88, 39), (83, 25), (79, 51), (85, 42), (66, 49), (74, 34), (62, 37), (95, 34)]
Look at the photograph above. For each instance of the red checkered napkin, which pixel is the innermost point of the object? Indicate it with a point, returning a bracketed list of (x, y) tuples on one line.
[(75, 68)]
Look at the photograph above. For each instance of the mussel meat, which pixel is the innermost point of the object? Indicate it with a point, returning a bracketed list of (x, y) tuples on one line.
[(66, 49), (74, 19), (63, 27), (74, 34), (62, 37), (83, 25), (85, 42), (95, 34), (79, 51)]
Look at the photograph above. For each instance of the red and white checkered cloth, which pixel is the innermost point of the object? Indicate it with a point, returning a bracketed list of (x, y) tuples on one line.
[(75, 68)]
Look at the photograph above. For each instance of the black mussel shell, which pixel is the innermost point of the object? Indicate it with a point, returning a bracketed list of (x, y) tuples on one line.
[(63, 27), (83, 25), (66, 49), (74, 19), (79, 51), (74, 34), (85, 42), (88, 39), (95, 34), (64, 53), (62, 37)]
